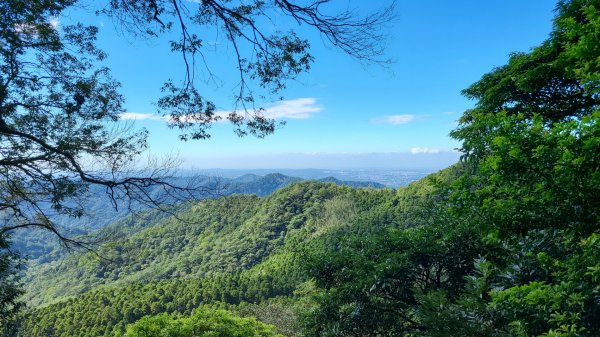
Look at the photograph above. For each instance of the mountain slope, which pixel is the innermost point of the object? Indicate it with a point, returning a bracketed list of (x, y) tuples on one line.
[(40, 246), (224, 235), (232, 249)]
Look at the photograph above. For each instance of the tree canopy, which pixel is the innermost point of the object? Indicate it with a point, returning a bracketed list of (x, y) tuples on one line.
[(505, 243), (203, 322), (60, 106), (265, 57), (520, 224), (55, 103)]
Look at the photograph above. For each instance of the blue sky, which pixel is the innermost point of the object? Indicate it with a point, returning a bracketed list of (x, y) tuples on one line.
[(342, 114)]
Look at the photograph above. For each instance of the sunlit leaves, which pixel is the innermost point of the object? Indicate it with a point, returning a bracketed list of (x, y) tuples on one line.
[(204, 322)]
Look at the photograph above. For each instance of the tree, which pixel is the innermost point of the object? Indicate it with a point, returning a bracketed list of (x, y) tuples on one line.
[(56, 108), (268, 59), (203, 322), (531, 145), (375, 275), (518, 246), (59, 107), (9, 294)]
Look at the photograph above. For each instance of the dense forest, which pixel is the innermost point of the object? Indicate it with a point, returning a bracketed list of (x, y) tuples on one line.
[(504, 243), (40, 247), (240, 251)]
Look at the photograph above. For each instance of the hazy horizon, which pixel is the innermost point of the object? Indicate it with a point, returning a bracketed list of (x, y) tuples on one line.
[(335, 161)]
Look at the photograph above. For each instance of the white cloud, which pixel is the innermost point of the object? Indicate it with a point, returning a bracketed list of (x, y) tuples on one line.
[(448, 112), (394, 119), (421, 150), (55, 23), (300, 108), (140, 116)]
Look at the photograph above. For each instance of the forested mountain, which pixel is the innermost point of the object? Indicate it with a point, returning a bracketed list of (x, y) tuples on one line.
[(100, 212), (505, 243), (229, 250)]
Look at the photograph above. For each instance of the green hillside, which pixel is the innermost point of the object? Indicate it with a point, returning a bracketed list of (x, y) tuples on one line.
[(505, 243), (233, 249), (42, 246)]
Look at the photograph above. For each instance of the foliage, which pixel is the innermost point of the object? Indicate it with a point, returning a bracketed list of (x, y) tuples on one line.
[(59, 130), (223, 235), (277, 311), (9, 293), (504, 244), (374, 278), (106, 311), (513, 234), (531, 144), (267, 58), (42, 247), (234, 250), (59, 106), (203, 323)]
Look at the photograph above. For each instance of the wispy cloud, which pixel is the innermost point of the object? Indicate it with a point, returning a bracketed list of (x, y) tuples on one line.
[(448, 112), (394, 119), (140, 116), (421, 150), (300, 108)]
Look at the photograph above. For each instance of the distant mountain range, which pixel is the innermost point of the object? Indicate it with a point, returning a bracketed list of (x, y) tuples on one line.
[(389, 177), (35, 244)]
